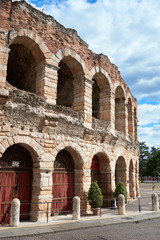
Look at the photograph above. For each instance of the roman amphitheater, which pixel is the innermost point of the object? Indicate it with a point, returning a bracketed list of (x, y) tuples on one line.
[(66, 115)]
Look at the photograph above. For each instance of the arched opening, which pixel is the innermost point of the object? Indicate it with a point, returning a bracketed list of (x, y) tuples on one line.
[(101, 172), (63, 183), (130, 119), (95, 99), (95, 169), (135, 124), (25, 69), (70, 87), (16, 179), (131, 179), (120, 124), (120, 171), (136, 179), (101, 97)]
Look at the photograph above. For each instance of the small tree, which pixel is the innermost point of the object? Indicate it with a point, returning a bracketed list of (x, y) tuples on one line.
[(95, 196), (120, 189)]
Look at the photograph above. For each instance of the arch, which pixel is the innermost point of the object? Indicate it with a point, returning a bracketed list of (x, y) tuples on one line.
[(98, 69), (30, 144), (136, 177), (131, 179), (63, 183), (103, 176), (135, 124), (62, 53), (67, 179), (120, 116), (26, 62), (16, 178), (101, 97), (130, 118), (121, 171), (70, 87), (76, 155)]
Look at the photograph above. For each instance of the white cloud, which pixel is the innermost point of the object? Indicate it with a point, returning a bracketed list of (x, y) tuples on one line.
[(150, 135), (148, 114)]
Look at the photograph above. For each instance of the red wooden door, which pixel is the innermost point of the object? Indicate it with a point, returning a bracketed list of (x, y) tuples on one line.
[(15, 184), (7, 181), (63, 192), (23, 193)]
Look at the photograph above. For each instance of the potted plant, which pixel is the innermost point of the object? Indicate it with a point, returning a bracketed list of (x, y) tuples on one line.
[(120, 189), (95, 198)]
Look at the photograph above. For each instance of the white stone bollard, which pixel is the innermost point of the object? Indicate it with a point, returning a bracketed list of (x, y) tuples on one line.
[(15, 213), (121, 205), (155, 202), (76, 208)]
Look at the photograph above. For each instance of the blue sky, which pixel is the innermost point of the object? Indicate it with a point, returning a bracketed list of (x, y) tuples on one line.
[(128, 32)]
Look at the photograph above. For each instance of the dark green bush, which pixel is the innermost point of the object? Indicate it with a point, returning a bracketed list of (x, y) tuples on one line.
[(95, 196), (120, 189)]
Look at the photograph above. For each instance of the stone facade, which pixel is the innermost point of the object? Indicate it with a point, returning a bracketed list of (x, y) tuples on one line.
[(56, 94)]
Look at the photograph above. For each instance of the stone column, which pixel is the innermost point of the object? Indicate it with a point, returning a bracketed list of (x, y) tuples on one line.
[(112, 110), (4, 54), (49, 86), (88, 102), (121, 205), (155, 202), (76, 208), (15, 213), (41, 193)]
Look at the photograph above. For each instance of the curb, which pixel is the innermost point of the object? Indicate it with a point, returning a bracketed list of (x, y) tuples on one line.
[(37, 230)]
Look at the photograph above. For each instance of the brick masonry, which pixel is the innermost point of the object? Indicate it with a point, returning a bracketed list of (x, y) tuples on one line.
[(32, 118)]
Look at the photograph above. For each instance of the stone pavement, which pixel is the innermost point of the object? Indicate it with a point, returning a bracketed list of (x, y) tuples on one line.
[(65, 223), (69, 224)]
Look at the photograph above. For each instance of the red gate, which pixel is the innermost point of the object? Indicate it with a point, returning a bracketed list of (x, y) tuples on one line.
[(63, 192), (14, 184), (15, 179)]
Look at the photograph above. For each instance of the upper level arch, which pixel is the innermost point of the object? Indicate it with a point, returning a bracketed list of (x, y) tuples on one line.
[(70, 86), (130, 117), (26, 62), (101, 94), (120, 115)]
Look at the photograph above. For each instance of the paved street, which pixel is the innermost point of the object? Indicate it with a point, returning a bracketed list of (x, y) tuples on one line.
[(145, 230), (110, 226)]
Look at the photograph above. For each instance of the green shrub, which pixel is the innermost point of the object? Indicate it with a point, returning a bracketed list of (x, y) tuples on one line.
[(95, 196), (120, 189)]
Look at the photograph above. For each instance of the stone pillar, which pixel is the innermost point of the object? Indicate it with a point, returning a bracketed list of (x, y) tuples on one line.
[(4, 53), (112, 110), (49, 87), (88, 103), (155, 202), (121, 205), (41, 193), (76, 208), (15, 213), (78, 99)]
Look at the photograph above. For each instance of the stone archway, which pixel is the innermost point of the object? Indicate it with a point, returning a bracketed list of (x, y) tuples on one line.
[(101, 172), (16, 179), (121, 171), (25, 69), (120, 115), (101, 97), (63, 183), (131, 180), (72, 165), (130, 118), (70, 85)]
